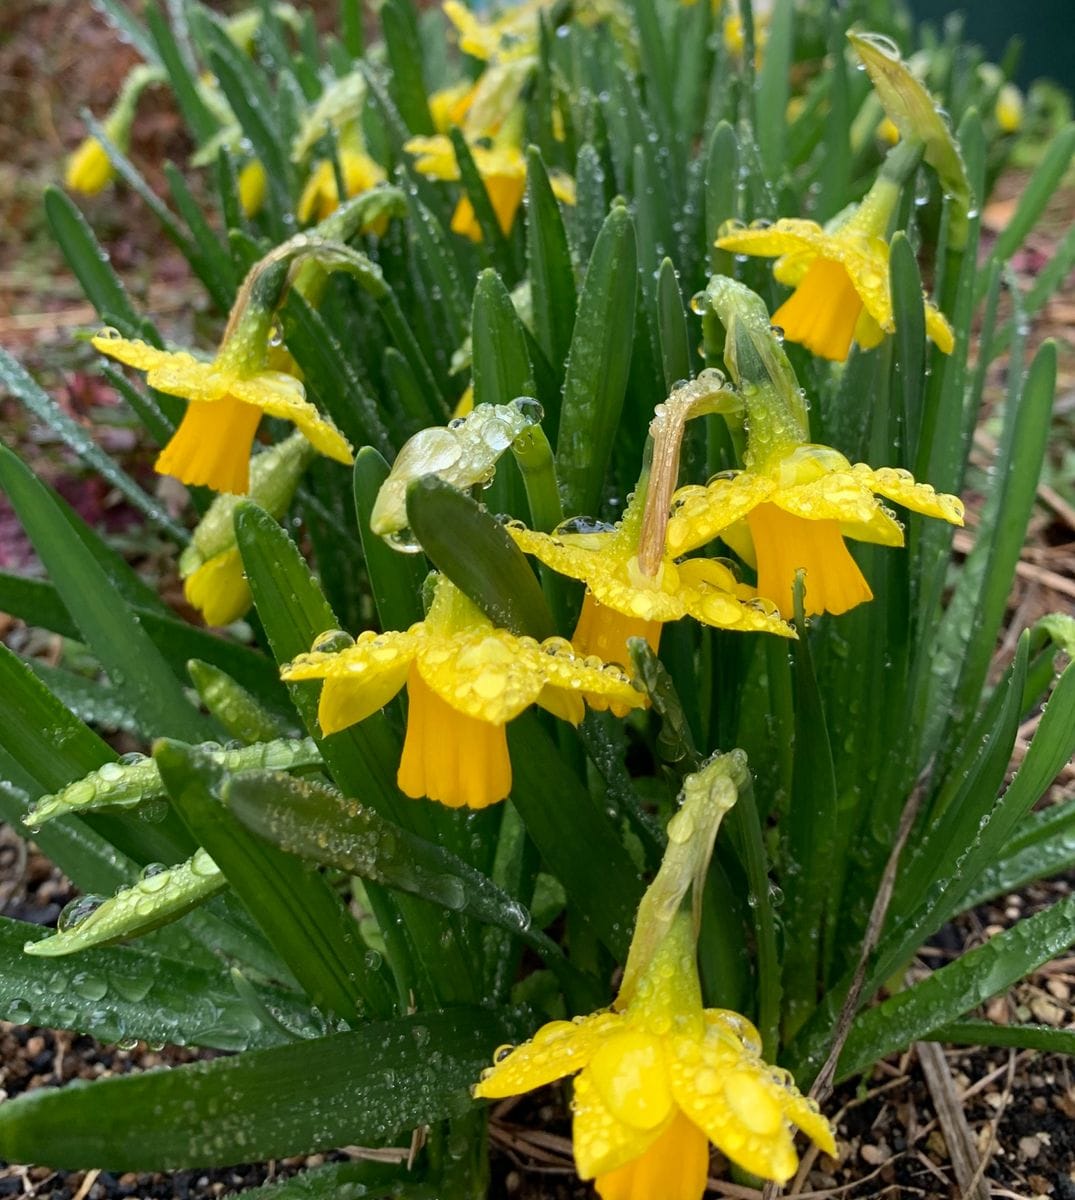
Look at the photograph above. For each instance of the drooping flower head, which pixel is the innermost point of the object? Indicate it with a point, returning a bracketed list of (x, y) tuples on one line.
[(633, 586), (89, 169), (228, 394), (796, 502), (211, 568), (659, 1076), (465, 680), (840, 273)]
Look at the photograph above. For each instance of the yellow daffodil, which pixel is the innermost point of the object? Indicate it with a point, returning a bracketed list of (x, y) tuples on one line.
[(448, 106), (253, 183), (794, 512), (321, 195), (840, 275), (623, 601), (465, 680), (211, 568), (512, 35), (661, 1079), (502, 167), (1008, 109), (228, 396), (795, 503), (89, 169)]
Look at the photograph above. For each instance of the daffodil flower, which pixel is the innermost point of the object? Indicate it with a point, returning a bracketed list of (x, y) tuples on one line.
[(214, 580), (623, 601), (796, 502), (510, 36), (794, 514), (253, 184), (321, 195), (89, 169), (840, 274), (661, 1079), (502, 167), (465, 680), (228, 394)]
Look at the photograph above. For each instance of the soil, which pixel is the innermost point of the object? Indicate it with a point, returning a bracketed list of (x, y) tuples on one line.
[(1019, 1107)]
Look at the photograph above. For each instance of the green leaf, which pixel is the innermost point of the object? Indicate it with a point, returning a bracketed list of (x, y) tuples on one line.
[(550, 269), (406, 84), (184, 85), (124, 649), (597, 365), (90, 699), (573, 832), (360, 1088), (118, 993), (157, 899), (672, 327), (909, 341), (90, 263), (771, 100), (499, 358), (721, 193), (1025, 1037), (18, 383), (340, 1180), (297, 910), (130, 784), (1036, 194), (319, 824), (213, 265), (494, 243), (1044, 846), (958, 987), (478, 555), (395, 578)]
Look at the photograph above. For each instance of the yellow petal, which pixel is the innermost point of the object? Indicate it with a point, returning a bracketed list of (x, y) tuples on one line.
[(900, 487), (603, 1143), (568, 706), (822, 312), (938, 330), (629, 1075), (485, 674), (212, 446), (844, 497), (346, 701), (785, 544), (711, 595), (675, 1167), (218, 588), (449, 757), (134, 352), (557, 1049), (699, 514), (253, 183), (604, 632), (282, 395)]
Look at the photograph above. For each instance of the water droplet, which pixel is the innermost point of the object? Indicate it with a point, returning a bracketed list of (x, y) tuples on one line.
[(77, 911)]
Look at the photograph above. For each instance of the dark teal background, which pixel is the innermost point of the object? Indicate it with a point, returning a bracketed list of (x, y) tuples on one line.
[(1046, 29)]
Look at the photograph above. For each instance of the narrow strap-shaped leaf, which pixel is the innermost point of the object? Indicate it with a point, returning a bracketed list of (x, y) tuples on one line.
[(404, 46), (196, 114), (129, 784), (494, 242), (134, 664), (910, 339), (395, 578), (500, 362), (478, 555), (89, 262), (297, 910), (318, 823), (439, 256), (572, 833), (91, 700), (958, 987), (15, 380), (1045, 1038), (721, 192), (359, 1088), (213, 263), (598, 365), (1044, 846), (335, 1180), (158, 898), (672, 327), (551, 270), (118, 993), (771, 99)]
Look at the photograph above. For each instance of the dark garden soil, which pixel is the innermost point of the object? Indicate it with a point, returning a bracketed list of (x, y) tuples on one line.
[(1014, 1111)]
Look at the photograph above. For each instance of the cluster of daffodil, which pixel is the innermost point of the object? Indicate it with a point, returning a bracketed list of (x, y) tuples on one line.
[(454, 408)]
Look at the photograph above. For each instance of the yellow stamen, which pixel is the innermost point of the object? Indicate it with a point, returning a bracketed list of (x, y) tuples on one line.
[(674, 1167), (212, 445), (448, 756), (822, 311), (785, 544)]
